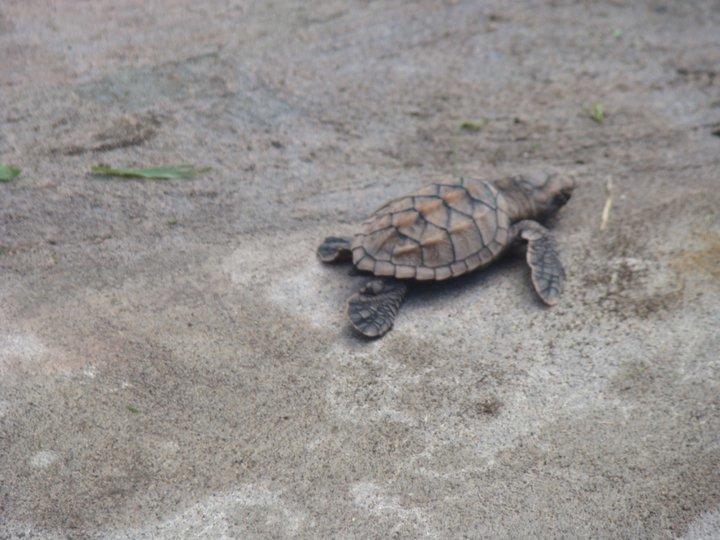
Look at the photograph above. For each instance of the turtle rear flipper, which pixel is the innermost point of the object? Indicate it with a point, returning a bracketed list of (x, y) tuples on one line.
[(335, 249), (373, 308), (547, 273)]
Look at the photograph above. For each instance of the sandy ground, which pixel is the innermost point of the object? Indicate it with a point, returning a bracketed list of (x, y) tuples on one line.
[(175, 362)]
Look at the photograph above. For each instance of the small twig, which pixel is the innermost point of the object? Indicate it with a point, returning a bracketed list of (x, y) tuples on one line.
[(608, 204)]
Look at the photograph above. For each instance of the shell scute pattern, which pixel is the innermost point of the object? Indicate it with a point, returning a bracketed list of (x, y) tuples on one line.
[(435, 212), (384, 222), (436, 247), (407, 253), (482, 192), (457, 199), (445, 229), (501, 235), (442, 273), (384, 268), (403, 219)]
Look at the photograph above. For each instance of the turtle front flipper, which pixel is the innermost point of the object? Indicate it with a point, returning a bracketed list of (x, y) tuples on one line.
[(373, 308), (547, 273), (335, 249)]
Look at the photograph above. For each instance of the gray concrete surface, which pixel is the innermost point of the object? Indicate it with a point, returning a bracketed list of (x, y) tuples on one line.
[(174, 361)]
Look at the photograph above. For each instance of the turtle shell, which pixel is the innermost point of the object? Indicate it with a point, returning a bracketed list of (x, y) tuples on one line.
[(444, 230)]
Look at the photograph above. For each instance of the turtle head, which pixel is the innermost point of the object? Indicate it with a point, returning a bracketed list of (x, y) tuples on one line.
[(551, 193)]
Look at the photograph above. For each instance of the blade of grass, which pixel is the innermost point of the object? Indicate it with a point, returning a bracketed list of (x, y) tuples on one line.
[(170, 172), (597, 112), (8, 172)]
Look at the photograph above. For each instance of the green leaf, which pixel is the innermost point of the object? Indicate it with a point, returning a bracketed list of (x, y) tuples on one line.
[(8, 172), (473, 125), (133, 409), (171, 172), (597, 113)]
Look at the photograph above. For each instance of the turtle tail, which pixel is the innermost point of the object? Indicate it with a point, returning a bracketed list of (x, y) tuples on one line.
[(335, 249)]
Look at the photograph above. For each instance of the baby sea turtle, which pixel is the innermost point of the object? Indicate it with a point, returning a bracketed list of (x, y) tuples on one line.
[(445, 230)]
